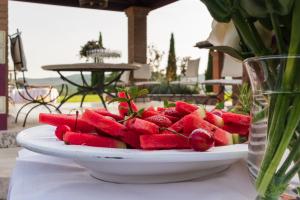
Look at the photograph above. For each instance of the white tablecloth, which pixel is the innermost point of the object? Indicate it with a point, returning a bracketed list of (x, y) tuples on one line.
[(39, 177), (35, 93)]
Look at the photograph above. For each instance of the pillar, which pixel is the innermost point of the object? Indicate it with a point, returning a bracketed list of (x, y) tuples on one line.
[(217, 71), (3, 64), (137, 34)]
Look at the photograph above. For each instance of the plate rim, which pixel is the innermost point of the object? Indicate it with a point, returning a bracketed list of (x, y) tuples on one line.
[(98, 153)]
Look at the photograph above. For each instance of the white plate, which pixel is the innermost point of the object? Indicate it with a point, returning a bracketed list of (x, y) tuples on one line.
[(132, 165)]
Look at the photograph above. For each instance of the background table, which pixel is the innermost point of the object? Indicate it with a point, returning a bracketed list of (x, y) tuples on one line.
[(85, 88), (37, 177)]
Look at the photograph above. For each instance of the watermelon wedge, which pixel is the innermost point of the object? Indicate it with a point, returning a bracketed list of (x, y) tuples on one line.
[(236, 118), (104, 112), (132, 138), (185, 108), (87, 139), (103, 123), (214, 119), (164, 141), (142, 126), (69, 120), (193, 122), (236, 128)]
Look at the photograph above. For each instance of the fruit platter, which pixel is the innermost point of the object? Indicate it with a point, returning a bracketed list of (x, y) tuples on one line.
[(180, 141)]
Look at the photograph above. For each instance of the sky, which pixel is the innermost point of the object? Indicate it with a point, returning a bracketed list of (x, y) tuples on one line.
[(54, 34)]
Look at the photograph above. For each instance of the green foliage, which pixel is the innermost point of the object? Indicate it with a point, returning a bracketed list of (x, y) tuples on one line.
[(244, 100), (209, 72), (165, 88), (100, 42), (90, 45), (171, 68)]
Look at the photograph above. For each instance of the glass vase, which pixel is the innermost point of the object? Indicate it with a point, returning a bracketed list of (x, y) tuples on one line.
[(274, 158)]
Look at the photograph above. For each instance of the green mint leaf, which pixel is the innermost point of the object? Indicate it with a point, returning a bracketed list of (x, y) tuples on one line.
[(133, 92), (142, 92), (140, 112), (118, 99), (220, 105)]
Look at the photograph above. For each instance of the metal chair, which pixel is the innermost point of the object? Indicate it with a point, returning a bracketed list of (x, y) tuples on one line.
[(23, 87)]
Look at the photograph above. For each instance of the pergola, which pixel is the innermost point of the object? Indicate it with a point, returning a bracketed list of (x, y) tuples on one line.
[(136, 11)]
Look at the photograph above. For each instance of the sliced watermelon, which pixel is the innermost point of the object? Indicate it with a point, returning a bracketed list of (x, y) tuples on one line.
[(123, 106), (236, 128), (164, 141), (104, 112), (214, 119), (132, 138), (61, 130), (149, 113), (159, 120), (142, 126), (173, 119), (87, 139), (103, 123), (185, 108), (69, 120), (234, 118), (192, 122), (160, 109)]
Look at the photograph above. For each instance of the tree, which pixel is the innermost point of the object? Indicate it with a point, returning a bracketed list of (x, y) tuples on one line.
[(98, 77), (171, 68)]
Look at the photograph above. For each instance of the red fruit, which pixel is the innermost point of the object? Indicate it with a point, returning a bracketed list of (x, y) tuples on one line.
[(214, 119), (132, 138), (149, 113), (236, 128), (160, 109), (236, 118), (173, 119), (221, 136), (61, 130), (217, 112), (185, 108), (164, 141), (104, 112), (159, 120), (173, 112), (123, 106), (178, 127), (69, 120), (142, 126), (86, 139), (103, 123), (201, 140), (150, 108)]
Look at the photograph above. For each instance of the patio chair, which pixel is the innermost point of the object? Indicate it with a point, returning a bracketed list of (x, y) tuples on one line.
[(141, 77), (23, 88), (191, 76), (231, 75)]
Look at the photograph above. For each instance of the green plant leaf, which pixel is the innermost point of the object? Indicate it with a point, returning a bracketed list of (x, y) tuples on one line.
[(218, 9), (140, 112), (142, 92), (118, 99), (220, 105), (133, 92)]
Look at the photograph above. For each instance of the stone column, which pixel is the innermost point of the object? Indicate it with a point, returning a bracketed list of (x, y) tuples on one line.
[(137, 35), (3, 63), (217, 71)]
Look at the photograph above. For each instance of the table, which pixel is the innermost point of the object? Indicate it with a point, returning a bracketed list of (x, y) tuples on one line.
[(37, 177), (85, 88)]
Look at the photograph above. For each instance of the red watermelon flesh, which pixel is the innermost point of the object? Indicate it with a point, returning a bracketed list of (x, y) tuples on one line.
[(132, 138), (149, 113), (87, 139), (103, 123), (236, 128), (142, 126), (164, 141), (160, 109), (173, 119), (236, 118), (221, 136), (214, 119), (69, 120), (123, 106), (104, 112), (185, 108)]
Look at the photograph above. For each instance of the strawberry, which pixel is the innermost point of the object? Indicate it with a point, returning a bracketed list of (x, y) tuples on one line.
[(159, 120), (173, 112), (173, 119), (123, 106)]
